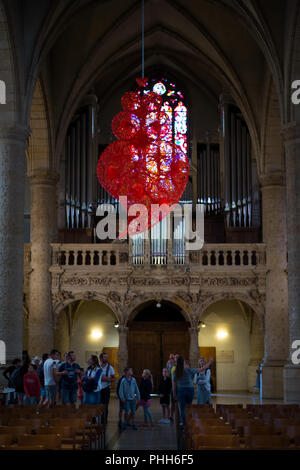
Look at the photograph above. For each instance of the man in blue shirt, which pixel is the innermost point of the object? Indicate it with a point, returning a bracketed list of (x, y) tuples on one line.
[(69, 372)]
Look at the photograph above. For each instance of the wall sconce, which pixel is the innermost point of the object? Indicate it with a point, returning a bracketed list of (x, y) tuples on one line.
[(202, 324), (116, 325), (96, 334), (221, 334)]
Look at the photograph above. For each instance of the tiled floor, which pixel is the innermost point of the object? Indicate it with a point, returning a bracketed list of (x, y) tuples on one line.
[(161, 436)]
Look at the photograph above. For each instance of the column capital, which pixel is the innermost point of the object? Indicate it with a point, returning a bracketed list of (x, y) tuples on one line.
[(45, 177), (194, 329), (123, 329), (272, 179)]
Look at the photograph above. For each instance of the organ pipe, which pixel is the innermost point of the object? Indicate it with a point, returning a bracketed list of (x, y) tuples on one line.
[(238, 192)]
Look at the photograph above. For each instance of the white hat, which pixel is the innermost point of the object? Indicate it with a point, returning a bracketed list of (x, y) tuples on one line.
[(36, 358)]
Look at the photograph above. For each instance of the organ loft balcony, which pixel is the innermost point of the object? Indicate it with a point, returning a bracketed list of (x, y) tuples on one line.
[(118, 256)]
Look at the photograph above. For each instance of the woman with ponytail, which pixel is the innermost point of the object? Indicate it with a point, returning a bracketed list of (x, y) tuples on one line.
[(183, 389)]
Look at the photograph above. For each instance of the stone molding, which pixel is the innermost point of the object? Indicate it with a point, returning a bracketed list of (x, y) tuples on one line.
[(44, 177)]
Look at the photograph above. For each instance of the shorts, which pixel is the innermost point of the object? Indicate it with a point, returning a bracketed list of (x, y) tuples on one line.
[(130, 405), (122, 406), (51, 391), (165, 400), (30, 401), (43, 392), (68, 396), (145, 403)]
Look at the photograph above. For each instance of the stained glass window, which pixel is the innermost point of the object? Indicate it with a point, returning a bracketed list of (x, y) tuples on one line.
[(173, 105)]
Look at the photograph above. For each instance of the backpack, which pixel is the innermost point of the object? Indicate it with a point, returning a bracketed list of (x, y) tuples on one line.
[(90, 385), (16, 378)]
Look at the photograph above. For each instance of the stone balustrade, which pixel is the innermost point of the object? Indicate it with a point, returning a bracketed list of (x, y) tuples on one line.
[(70, 255), (211, 256), (243, 255)]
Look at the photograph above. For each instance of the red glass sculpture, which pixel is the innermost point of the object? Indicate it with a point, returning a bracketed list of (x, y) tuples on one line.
[(143, 164)]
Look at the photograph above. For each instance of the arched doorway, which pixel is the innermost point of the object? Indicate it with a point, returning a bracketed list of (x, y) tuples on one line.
[(154, 333), (235, 330)]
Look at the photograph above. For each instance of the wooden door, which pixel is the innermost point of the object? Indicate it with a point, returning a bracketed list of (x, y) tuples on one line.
[(150, 344), (144, 353), (176, 342), (207, 352)]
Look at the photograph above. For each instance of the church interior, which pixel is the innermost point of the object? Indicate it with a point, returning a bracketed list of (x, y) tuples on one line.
[(224, 72)]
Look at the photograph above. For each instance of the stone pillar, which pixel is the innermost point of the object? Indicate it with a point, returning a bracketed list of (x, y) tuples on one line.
[(12, 189), (123, 348), (43, 232), (256, 351), (292, 152), (276, 317), (194, 346)]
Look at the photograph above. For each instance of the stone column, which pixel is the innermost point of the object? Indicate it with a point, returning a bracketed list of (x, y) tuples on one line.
[(194, 346), (256, 351), (12, 188), (123, 348), (292, 152), (276, 316), (43, 232)]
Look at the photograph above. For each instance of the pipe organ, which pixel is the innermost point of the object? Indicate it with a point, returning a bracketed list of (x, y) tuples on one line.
[(208, 177), (238, 191), (80, 171)]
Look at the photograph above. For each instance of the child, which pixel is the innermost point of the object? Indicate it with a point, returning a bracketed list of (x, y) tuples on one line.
[(165, 388), (32, 386), (145, 391), (128, 392)]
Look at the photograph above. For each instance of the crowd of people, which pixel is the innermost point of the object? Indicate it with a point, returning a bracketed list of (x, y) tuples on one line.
[(50, 380)]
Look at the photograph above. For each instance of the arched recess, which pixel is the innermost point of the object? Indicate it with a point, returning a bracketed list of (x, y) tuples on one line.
[(255, 301), (86, 327), (65, 299), (234, 329), (140, 301)]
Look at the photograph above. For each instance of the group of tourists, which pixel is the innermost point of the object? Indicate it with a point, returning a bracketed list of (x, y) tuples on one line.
[(176, 384), (49, 380)]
